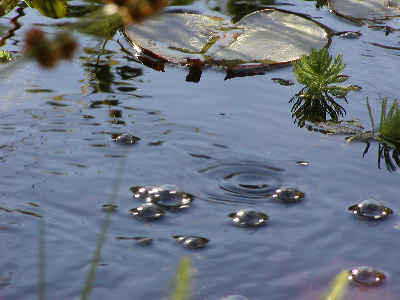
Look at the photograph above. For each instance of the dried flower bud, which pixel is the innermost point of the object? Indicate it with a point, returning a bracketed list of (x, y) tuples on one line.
[(33, 38), (47, 52), (66, 45)]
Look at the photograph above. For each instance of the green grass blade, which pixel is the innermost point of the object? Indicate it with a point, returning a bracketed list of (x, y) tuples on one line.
[(182, 280), (371, 117), (383, 114), (338, 287), (96, 257), (42, 260)]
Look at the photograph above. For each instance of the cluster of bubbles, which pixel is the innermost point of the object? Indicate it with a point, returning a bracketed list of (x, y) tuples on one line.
[(157, 199)]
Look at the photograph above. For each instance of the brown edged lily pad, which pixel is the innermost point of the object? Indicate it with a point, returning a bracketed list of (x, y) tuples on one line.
[(365, 10), (269, 37)]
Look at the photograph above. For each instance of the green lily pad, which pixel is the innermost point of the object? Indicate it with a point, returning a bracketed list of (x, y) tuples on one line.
[(362, 10), (265, 37)]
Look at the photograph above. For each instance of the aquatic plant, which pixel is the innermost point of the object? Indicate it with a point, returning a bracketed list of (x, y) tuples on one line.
[(387, 134), (182, 283), (53, 9), (320, 74), (5, 56), (338, 287)]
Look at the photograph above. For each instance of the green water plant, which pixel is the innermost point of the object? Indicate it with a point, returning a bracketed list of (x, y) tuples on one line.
[(321, 75), (387, 134), (182, 284), (5, 56), (338, 287)]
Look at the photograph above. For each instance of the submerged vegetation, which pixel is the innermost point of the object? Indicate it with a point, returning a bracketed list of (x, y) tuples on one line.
[(320, 74)]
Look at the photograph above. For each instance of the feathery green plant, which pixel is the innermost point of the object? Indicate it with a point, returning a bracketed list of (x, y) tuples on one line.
[(320, 74)]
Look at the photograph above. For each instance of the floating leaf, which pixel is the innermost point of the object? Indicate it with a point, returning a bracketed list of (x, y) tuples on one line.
[(359, 11), (49, 8), (266, 37)]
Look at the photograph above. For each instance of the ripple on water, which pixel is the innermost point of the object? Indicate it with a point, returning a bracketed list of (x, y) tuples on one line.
[(242, 181)]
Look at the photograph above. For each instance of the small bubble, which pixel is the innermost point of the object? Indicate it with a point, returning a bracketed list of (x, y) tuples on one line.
[(139, 239), (366, 276), (126, 139), (303, 163), (283, 82), (248, 218), (349, 35), (191, 242), (370, 209), (109, 207), (148, 211), (288, 195)]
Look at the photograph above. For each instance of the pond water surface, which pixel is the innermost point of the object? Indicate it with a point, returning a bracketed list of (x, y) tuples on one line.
[(229, 143)]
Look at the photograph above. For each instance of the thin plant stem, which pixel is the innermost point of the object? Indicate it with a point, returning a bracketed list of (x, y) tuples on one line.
[(371, 117), (100, 242), (182, 280), (42, 260)]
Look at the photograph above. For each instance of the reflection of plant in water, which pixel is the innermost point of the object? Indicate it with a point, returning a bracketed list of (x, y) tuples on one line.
[(319, 73), (387, 134), (319, 3)]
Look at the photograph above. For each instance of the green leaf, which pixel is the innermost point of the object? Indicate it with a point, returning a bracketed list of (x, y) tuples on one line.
[(182, 280), (6, 6), (338, 287), (5, 56), (389, 128), (98, 23), (49, 8)]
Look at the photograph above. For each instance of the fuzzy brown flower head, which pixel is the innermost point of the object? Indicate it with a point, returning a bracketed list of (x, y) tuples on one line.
[(33, 38), (38, 47), (66, 45), (134, 11), (48, 52)]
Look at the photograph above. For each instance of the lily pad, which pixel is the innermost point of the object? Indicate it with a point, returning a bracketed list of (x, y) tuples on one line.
[(266, 37), (362, 10)]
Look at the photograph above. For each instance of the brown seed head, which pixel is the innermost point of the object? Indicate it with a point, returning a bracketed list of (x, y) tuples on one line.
[(33, 38), (66, 45)]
